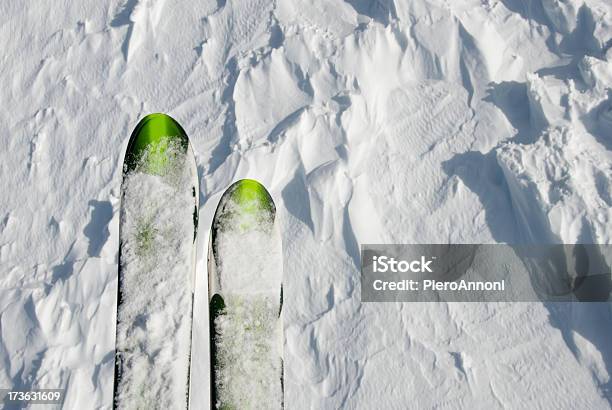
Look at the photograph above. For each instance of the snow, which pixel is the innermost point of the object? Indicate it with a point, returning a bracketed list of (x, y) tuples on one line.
[(247, 248), (422, 121), (157, 283), (248, 354), (249, 374)]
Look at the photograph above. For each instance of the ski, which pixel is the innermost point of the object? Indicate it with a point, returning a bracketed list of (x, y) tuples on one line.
[(245, 300), (158, 226)]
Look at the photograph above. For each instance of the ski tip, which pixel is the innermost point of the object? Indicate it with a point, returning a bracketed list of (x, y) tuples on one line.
[(250, 193), (152, 136), (253, 202), (245, 206)]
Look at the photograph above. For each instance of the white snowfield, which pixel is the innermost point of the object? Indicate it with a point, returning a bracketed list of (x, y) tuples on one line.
[(418, 121)]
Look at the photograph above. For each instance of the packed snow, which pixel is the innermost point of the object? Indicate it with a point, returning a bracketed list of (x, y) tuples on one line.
[(426, 121), (156, 283)]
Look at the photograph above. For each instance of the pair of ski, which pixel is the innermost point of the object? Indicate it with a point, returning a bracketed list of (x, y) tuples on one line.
[(157, 254)]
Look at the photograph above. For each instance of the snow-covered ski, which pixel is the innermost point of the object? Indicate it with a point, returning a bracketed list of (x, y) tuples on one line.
[(245, 300), (158, 225)]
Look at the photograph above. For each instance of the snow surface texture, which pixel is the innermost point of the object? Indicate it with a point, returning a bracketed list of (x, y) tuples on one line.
[(156, 286), (248, 332), (369, 122)]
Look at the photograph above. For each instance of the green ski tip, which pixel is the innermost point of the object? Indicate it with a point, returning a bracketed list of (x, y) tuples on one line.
[(251, 196), (249, 206), (155, 142)]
